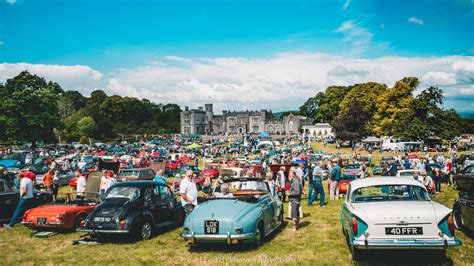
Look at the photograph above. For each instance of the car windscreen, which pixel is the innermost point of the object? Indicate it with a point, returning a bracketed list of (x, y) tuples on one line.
[(389, 193), (234, 188), (130, 193), (129, 173)]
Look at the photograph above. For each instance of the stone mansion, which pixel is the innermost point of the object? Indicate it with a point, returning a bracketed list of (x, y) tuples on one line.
[(204, 121)]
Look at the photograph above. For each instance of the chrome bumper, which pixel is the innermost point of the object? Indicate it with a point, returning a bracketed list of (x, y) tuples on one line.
[(402, 244), (103, 231), (192, 238), (40, 225)]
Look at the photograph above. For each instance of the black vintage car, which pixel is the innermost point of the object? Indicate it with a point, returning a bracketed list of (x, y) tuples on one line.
[(134, 209), (463, 209), (9, 198)]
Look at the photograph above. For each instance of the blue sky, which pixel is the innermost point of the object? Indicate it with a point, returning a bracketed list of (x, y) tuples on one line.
[(111, 38)]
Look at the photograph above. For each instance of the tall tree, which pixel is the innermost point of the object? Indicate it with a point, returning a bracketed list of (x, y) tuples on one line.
[(29, 108), (394, 106)]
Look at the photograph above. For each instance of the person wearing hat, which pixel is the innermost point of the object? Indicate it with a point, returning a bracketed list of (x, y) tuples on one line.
[(26, 195)]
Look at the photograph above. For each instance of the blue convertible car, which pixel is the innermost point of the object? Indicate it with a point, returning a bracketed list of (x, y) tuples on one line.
[(240, 210)]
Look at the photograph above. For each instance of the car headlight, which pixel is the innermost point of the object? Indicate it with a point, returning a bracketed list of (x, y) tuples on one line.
[(239, 230)]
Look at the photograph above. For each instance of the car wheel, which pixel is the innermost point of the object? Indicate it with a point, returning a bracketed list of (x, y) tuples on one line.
[(144, 230), (458, 222), (259, 236), (77, 222), (357, 254)]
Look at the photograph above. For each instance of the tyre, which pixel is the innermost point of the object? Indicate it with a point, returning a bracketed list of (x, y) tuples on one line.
[(357, 254), (457, 218), (260, 235), (143, 231), (77, 222)]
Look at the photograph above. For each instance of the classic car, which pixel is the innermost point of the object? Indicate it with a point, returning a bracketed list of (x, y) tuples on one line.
[(64, 178), (463, 209), (134, 209), (9, 198), (172, 166), (211, 169), (136, 174), (240, 210), (346, 178), (394, 213), (351, 168), (407, 173), (66, 215)]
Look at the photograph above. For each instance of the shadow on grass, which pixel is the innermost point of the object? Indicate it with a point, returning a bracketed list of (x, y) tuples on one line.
[(405, 257), (247, 247)]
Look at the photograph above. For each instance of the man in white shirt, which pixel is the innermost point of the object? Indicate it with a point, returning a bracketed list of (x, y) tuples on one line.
[(26, 195), (81, 182), (188, 192)]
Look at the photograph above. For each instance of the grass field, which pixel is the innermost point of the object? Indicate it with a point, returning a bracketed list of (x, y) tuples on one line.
[(319, 242)]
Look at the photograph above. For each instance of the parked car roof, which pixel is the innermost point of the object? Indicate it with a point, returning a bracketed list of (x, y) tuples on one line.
[(384, 180)]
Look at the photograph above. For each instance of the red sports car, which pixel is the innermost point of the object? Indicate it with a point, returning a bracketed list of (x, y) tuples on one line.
[(73, 181), (211, 170), (67, 215), (173, 165), (343, 183)]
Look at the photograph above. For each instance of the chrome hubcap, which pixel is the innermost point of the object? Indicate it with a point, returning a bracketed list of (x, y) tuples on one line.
[(146, 231)]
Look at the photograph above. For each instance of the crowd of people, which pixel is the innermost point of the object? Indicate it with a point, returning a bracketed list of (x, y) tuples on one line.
[(300, 174)]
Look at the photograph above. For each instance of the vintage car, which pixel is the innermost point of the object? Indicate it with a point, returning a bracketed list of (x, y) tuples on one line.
[(346, 178), (172, 165), (351, 168), (67, 215), (134, 209), (463, 209), (211, 169), (136, 174), (239, 211), (394, 213), (407, 173), (9, 198)]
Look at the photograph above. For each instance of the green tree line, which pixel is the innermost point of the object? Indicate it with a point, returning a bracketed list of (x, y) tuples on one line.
[(33, 109), (371, 108)]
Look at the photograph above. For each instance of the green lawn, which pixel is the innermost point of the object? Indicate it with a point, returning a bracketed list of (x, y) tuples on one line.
[(320, 241)]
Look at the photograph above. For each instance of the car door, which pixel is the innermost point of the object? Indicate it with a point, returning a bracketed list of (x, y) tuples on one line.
[(268, 212), (162, 202), (8, 200)]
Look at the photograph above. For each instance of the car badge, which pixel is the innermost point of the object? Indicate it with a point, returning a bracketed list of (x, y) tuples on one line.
[(403, 222)]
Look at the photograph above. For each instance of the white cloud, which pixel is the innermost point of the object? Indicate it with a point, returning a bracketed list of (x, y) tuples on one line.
[(279, 82), (359, 38), (416, 21), (439, 78), (76, 77), (346, 4), (11, 1)]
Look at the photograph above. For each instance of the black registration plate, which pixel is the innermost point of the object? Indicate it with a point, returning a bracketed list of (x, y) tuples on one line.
[(41, 221), (403, 230), (102, 219), (211, 227)]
